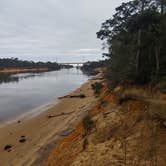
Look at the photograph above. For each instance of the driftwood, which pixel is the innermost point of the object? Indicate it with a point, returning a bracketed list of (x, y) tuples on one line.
[(61, 114), (73, 96), (99, 78)]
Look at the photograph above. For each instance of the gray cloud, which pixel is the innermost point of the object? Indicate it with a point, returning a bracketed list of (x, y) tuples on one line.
[(53, 29)]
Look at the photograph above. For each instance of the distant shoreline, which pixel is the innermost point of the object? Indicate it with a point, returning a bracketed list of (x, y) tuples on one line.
[(24, 70)]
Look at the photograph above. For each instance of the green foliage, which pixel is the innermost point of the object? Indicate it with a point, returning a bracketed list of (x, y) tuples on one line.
[(87, 123), (97, 86), (90, 67), (136, 39)]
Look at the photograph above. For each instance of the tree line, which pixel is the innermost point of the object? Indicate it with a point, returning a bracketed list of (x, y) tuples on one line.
[(16, 63), (135, 37)]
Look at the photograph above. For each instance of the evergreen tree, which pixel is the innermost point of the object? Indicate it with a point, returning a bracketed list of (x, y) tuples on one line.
[(136, 38)]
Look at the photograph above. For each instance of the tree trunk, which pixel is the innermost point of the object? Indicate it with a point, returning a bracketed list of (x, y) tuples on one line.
[(157, 52), (162, 6), (138, 51), (139, 41), (142, 5)]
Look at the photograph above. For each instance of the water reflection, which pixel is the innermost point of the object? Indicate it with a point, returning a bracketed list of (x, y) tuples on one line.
[(15, 78), (24, 92), (6, 78)]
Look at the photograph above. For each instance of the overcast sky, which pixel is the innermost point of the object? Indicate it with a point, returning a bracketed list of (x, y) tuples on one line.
[(53, 29)]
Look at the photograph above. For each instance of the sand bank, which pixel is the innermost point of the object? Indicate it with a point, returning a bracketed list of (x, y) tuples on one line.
[(32, 138)]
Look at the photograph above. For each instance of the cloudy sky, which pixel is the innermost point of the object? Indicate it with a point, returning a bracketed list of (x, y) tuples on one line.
[(62, 30)]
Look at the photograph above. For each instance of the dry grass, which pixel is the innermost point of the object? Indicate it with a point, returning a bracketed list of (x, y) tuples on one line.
[(127, 135)]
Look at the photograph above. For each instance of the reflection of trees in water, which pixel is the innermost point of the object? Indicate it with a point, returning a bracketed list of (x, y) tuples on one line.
[(7, 78), (15, 78)]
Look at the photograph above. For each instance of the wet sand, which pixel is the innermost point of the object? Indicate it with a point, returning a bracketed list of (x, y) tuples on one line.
[(32, 138)]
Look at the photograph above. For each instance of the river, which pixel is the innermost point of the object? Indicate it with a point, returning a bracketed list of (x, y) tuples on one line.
[(25, 93)]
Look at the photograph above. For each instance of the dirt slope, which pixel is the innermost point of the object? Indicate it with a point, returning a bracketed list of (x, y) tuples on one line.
[(126, 134)]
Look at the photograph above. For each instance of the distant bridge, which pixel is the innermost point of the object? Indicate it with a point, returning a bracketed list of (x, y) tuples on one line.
[(71, 63)]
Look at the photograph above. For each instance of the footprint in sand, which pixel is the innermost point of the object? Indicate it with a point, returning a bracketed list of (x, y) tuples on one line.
[(22, 139), (8, 148)]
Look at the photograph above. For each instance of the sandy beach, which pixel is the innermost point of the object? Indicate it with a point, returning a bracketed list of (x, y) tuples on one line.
[(29, 140)]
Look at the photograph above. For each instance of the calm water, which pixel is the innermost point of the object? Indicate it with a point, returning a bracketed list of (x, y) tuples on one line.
[(23, 93)]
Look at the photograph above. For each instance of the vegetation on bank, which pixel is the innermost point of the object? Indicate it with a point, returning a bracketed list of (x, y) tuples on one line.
[(90, 67), (9, 63), (136, 37), (97, 86), (87, 123)]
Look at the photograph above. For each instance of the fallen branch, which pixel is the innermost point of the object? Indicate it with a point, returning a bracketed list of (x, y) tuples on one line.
[(61, 114), (99, 78), (73, 96)]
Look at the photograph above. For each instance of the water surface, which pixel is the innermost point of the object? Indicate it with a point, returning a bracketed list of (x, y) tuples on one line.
[(22, 93)]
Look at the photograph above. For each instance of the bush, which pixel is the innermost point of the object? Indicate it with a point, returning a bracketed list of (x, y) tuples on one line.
[(97, 87), (87, 123)]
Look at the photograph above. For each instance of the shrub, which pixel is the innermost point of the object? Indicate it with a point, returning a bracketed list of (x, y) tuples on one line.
[(97, 87), (87, 123)]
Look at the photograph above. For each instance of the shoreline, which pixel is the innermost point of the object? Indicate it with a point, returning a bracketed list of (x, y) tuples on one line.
[(40, 131), (30, 114), (25, 70)]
